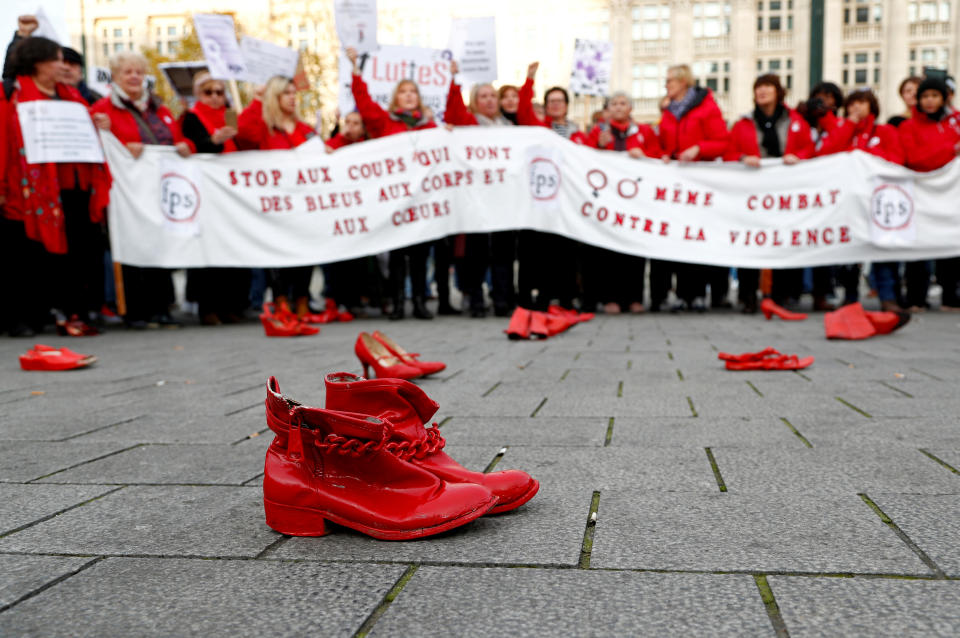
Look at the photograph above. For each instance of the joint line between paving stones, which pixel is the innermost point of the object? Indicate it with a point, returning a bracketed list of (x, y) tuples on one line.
[(796, 431), (754, 388), (565, 373), (629, 363), (272, 546), (102, 427), (258, 404), (496, 459), (446, 420), (680, 375), (586, 548), (940, 461), (802, 376), (134, 389), (241, 390), (251, 436), (609, 437), (48, 585), (716, 470), (59, 512), (693, 410), (492, 388), (927, 374), (896, 389), (102, 456), (388, 599), (669, 355), (451, 376), (770, 603), (534, 413), (620, 390), (252, 480), (922, 555), (853, 407)]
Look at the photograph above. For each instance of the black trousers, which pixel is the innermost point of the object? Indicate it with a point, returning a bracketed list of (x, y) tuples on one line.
[(691, 280), (748, 282), (412, 259), (442, 261), (292, 283), (548, 264), (612, 277), (79, 273), (148, 292), (222, 291), (28, 296), (916, 274), (503, 254), (472, 267), (948, 276)]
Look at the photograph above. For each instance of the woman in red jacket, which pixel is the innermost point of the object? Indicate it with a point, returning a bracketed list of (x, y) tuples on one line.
[(691, 129), (351, 133), (931, 139), (53, 212), (138, 118), (270, 122), (404, 113), (782, 133), (619, 133), (859, 130)]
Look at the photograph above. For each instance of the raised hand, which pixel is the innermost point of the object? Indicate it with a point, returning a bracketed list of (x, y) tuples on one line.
[(532, 69)]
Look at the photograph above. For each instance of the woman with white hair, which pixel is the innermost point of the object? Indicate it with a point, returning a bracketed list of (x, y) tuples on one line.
[(138, 118)]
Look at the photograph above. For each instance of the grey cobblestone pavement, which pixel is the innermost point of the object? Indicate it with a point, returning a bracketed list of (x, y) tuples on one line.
[(677, 499)]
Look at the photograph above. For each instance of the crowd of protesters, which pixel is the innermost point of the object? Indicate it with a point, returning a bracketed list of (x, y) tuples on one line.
[(53, 226)]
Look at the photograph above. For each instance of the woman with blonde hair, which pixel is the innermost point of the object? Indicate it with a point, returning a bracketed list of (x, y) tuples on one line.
[(405, 112), (270, 122)]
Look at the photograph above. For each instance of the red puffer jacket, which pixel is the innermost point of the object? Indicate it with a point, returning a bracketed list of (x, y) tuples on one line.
[(743, 139), (701, 126), (124, 126), (638, 136), (881, 140), (928, 144), (457, 112), (527, 117), (252, 131), (376, 120)]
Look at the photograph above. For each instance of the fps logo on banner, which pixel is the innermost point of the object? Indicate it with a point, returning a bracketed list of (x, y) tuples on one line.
[(179, 198), (891, 207), (544, 178)]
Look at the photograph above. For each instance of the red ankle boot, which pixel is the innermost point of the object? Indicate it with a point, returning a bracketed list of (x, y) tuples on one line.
[(849, 322), (887, 321), (409, 358), (519, 327), (335, 466), (373, 354), (769, 308), (407, 408)]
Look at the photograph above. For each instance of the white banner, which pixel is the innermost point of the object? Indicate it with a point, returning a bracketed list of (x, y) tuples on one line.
[(266, 59), (218, 38), (473, 42), (58, 131), (356, 22), (286, 208), (383, 68)]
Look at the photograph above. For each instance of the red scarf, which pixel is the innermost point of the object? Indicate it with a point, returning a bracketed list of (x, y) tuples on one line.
[(33, 190), (213, 119)]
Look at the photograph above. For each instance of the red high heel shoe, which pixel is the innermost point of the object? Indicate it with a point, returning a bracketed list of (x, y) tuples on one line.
[(373, 354), (408, 408), (283, 323), (75, 327), (769, 308), (325, 465), (42, 357), (519, 327), (409, 358)]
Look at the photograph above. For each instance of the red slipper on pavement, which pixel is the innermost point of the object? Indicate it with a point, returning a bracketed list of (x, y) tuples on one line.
[(748, 356), (42, 357), (782, 362)]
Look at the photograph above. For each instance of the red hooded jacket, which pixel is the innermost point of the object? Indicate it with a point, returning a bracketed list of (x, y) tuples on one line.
[(376, 120), (928, 144), (701, 126), (527, 117), (252, 131), (743, 139), (881, 140), (639, 136)]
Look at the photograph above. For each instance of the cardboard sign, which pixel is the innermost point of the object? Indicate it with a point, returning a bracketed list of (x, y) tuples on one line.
[(592, 64), (219, 41), (473, 42), (356, 24), (58, 131), (180, 76), (266, 59)]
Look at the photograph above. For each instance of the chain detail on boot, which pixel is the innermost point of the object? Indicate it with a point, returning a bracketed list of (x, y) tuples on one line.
[(403, 450)]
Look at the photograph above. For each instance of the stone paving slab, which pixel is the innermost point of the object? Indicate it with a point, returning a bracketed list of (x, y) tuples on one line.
[(525, 602), (167, 427), (703, 431), (867, 607), (144, 597), (23, 575), (515, 431), (748, 532), (24, 504), (22, 461), (162, 521), (853, 429), (932, 521)]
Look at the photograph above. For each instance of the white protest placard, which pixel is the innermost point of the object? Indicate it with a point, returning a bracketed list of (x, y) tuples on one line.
[(219, 41), (356, 24), (180, 76), (592, 64), (473, 42), (45, 28), (58, 131), (266, 59), (98, 79), (383, 68)]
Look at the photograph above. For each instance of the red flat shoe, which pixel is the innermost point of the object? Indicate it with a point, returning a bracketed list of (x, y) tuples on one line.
[(276, 327), (747, 356), (409, 358), (519, 327), (373, 354), (769, 308), (74, 327), (42, 357), (783, 362)]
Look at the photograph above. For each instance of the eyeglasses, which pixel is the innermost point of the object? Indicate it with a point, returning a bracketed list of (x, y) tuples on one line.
[(216, 92)]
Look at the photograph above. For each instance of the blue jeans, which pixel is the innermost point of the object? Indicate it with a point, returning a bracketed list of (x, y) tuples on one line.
[(887, 277)]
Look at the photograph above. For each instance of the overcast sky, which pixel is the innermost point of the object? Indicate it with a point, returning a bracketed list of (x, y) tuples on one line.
[(10, 9)]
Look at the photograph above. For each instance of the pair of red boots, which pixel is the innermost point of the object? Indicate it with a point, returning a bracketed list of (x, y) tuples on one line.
[(853, 322), (330, 314), (279, 321), (368, 463), (48, 358), (766, 359), (534, 324), (389, 360)]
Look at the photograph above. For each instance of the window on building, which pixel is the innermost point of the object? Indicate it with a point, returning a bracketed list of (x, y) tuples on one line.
[(711, 19), (928, 11), (862, 11), (713, 75), (303, 45), (159, 46), (117, 47), (861, 68), (118, 33), (106, 50), (775, 15), (171, 30), (651, 22)]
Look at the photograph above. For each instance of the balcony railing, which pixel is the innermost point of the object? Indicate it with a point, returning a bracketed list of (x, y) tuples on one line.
[(862, 32), (774, 40), (721, 43), (651, 47), (929, 29)]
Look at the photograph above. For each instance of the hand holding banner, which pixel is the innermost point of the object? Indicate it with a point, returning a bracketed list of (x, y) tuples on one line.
[(218, 38), (473, 42), (58, 131)]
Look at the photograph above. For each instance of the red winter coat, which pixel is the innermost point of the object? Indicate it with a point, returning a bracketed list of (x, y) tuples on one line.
[(701, 126), (376, 120), (252, 131), (457, 112), (340, 140), (32, 191), (743, 139), (124, 126), (527, 117), (881, 140), (638, 136), (928, 144)]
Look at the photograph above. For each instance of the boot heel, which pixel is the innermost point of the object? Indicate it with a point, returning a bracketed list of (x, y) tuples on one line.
[(294, 521), (366, 370)]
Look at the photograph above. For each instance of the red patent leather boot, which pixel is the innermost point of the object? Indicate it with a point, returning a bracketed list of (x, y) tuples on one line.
[(887, 321), (409, 358), (848, 322), (337, 466), (519, 327), (769, 308), (373, 354), (407, 408)]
